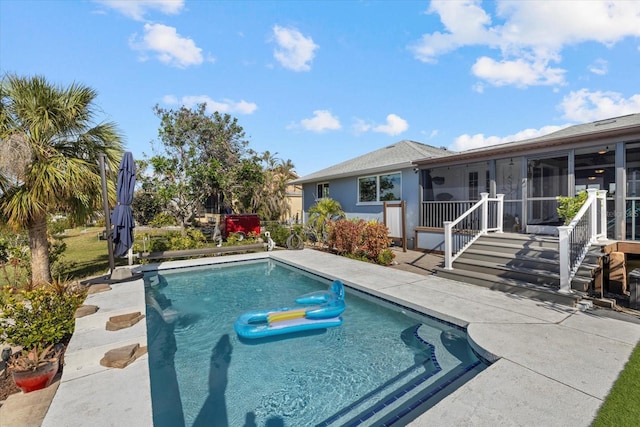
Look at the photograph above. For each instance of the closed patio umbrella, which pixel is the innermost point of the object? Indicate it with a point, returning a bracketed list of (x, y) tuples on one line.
[(122, 216)]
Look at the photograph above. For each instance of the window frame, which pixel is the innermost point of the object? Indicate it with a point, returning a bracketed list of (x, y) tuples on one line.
[(377, 177), (320, 190)]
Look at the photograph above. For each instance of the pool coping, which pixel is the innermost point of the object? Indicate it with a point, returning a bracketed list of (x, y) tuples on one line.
[(553, 365)]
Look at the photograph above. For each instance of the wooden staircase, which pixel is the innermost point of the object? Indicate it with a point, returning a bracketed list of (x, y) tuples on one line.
[(524, 265)]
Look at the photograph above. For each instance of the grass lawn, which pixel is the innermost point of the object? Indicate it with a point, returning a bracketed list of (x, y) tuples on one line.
[(90, 254), (622, 405)]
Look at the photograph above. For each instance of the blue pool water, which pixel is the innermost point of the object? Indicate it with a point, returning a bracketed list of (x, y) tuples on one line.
[(382, 366)]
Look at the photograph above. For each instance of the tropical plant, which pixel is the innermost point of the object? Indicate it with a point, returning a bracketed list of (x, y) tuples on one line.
[(273, 202), (49, 158), (320, 214), (34, 358)]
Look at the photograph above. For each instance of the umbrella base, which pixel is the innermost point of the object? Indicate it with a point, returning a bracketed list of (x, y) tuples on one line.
[(121, 274)]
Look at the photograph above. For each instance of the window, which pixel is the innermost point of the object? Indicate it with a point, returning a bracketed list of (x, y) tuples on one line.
[(380, 188), (323, 190), (473, 185)]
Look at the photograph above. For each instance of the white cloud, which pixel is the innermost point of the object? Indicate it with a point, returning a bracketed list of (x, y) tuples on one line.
[(468, 142), (599, 67), (321, 121), (580, 106), (466, 24), (529, 35), (360, 126), (586, 106), (168, 46), (136, 9), (224, 106), (520, 72), (395, 125), (294, 50)]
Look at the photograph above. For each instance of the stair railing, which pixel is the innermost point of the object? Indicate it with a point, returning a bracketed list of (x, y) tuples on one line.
[(583, 230), (482, 217)]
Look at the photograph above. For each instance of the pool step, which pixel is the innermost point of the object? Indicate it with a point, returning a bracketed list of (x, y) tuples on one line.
[(403, 404), (411, 392)]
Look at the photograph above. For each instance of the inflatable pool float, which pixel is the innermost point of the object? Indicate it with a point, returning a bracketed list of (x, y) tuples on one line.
[(317, 310)]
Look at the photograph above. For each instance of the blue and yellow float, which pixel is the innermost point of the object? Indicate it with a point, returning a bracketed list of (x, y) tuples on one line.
[(316, 310)]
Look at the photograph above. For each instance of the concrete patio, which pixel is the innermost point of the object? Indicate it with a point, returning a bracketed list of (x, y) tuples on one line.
[(553, 365)]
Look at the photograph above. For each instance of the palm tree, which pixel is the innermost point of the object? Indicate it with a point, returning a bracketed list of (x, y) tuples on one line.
[(49, 147), (274, 205), (320, 214)]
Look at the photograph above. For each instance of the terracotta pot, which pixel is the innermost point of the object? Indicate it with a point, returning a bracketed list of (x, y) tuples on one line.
[(38, 379)]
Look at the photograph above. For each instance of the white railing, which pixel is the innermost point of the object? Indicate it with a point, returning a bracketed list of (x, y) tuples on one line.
[(434, 214), (582, 231), (482, 217)]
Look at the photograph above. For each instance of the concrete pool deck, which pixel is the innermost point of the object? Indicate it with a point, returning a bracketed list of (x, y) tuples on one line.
[(554, 365)]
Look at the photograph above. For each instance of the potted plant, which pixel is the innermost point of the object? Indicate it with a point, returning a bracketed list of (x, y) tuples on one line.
[(35, 369), (39, 321)]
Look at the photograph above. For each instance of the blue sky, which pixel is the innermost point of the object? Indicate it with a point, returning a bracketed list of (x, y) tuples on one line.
[(320, 82)]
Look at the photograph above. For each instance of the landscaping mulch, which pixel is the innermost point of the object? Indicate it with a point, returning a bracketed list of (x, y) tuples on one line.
[(7, 386)]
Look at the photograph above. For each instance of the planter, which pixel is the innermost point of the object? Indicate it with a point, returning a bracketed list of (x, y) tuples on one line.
[(38, 379)]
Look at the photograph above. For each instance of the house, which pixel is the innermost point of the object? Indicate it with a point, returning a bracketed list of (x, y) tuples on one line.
[(437, 184), (362, 185), (531, 174)]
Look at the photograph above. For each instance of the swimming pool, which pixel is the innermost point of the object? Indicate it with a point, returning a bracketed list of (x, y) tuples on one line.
[(384, 365)]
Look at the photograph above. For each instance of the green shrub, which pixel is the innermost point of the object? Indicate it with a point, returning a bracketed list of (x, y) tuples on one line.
[(42, 316), (568, 207), (234, 239), (386, 257), (280, 233), (162, 220), (190, 238)]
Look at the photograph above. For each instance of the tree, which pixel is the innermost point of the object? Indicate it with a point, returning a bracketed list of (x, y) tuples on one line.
[(202, 155), (49, 147), (145, 207), (274, 205)]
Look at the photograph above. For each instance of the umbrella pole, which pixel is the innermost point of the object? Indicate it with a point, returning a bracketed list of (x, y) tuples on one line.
[(107, 214)]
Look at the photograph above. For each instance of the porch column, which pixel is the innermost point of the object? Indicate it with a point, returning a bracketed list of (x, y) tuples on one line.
[(563, 249), (485, 213), (500, 212), (593, 214), (448, 249)]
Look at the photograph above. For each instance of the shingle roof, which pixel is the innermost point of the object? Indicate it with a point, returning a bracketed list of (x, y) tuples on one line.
[(590, 130), (396, 156), (593, 131)]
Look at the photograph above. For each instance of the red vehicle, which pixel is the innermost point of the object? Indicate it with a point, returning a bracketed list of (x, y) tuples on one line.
[(240, 223)]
